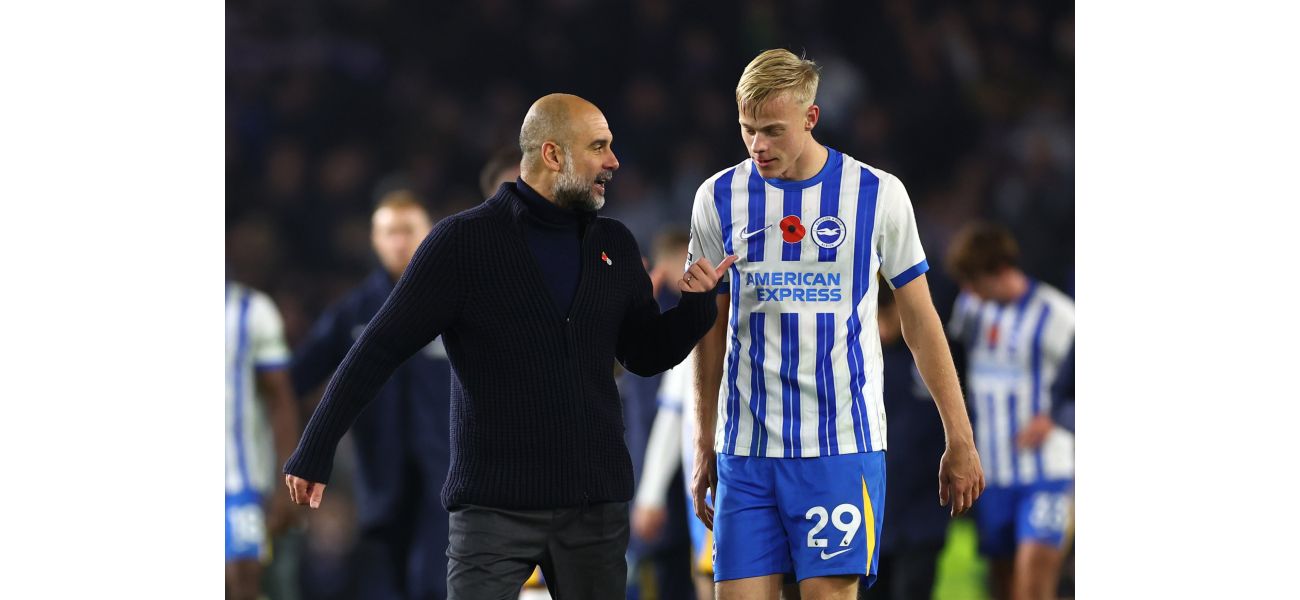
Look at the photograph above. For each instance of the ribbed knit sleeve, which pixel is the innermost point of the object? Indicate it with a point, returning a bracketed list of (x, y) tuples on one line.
[(650, 342), (425, 301)]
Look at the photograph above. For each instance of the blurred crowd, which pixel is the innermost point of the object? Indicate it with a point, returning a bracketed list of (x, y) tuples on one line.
[(329, 105)]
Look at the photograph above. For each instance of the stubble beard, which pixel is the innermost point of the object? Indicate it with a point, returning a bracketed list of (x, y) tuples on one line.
[(574, 193)]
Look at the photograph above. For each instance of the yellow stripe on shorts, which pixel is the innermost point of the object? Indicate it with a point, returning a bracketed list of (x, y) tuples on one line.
[(704, 562), (869, 520)]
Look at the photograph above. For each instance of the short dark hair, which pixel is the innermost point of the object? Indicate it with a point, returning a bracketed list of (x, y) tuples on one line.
[(400, 198), (981, 248), (501, 160)]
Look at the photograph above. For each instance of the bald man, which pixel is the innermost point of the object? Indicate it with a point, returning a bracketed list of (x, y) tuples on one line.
[(534, 297)]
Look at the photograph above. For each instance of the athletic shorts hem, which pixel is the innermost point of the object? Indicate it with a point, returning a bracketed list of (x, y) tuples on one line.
[(833, 573), (746, 575)]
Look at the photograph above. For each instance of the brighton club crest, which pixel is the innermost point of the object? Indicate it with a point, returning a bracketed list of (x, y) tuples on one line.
[(828, 232)]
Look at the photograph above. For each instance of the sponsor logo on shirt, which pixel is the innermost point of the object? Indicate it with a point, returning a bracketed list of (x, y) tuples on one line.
[(795, 286)]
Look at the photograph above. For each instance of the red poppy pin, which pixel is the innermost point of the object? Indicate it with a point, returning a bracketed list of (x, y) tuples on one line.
[(791, 229), (605, 258)]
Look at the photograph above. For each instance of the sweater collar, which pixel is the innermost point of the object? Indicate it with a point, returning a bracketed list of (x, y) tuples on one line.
[(523, 202)]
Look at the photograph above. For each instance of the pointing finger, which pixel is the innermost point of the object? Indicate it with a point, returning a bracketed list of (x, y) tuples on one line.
[(722, 266)]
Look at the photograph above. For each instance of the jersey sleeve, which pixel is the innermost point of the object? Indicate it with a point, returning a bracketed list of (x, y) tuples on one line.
[(706, 233), (1058, 332), (901, 257), (662, 455), (266, 334), (675, 383)]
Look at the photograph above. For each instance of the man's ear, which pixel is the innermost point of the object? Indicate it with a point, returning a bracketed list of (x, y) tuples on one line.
[(813, 113), (551, 156)]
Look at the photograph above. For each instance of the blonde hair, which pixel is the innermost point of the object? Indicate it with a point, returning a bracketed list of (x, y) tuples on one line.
[(773, 72)]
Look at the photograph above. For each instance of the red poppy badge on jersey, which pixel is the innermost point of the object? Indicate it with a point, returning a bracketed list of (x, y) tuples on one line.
[(791, 229), (605, 258)]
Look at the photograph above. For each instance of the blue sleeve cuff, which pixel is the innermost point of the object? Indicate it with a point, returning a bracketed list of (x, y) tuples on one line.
[(907, 276), (271, 366)]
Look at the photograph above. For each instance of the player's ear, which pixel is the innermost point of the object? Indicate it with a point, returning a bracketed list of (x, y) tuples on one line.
[(811, 116)]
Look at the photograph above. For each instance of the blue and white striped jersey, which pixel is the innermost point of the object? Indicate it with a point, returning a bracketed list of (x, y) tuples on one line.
[(802, 373), (1014, 351), (254, 342)]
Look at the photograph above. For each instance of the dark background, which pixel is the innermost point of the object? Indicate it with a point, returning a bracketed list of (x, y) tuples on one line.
[(971, 104)]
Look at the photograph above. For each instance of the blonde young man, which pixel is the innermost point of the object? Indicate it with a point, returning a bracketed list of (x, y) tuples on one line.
[(791, 432)]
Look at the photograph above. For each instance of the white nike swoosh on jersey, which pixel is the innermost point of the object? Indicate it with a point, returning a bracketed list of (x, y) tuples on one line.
[(826, 556), (745, 234)]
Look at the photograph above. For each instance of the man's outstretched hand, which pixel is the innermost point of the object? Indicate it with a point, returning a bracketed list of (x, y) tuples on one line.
[(702, 277), (302, 491)]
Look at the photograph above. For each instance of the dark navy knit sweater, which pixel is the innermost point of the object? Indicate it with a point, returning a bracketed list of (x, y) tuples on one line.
[(535, 415)]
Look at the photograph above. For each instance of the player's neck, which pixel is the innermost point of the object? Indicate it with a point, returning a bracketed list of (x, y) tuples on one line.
[(810, 163)]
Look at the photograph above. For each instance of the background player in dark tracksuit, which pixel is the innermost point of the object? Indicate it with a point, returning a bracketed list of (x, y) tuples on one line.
[(401, 439), (916, 527)]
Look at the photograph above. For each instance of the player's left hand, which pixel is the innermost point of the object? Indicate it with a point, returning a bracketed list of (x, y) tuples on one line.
[(961, 478), (1032, 435), (702, 277)]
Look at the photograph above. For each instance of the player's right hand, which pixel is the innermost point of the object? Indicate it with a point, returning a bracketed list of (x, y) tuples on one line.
[(302, 491), (704, 481), (1034, 434)]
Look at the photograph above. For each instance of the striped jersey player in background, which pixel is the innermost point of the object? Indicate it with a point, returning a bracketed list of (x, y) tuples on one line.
[(791, 419), (1017, 333), (261, 431)]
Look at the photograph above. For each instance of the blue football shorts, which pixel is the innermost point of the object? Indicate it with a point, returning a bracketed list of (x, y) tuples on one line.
[(812, 517), (1007, 517), (245, 526)]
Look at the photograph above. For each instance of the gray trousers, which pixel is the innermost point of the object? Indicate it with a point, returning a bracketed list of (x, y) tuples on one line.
[(491, 551)]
